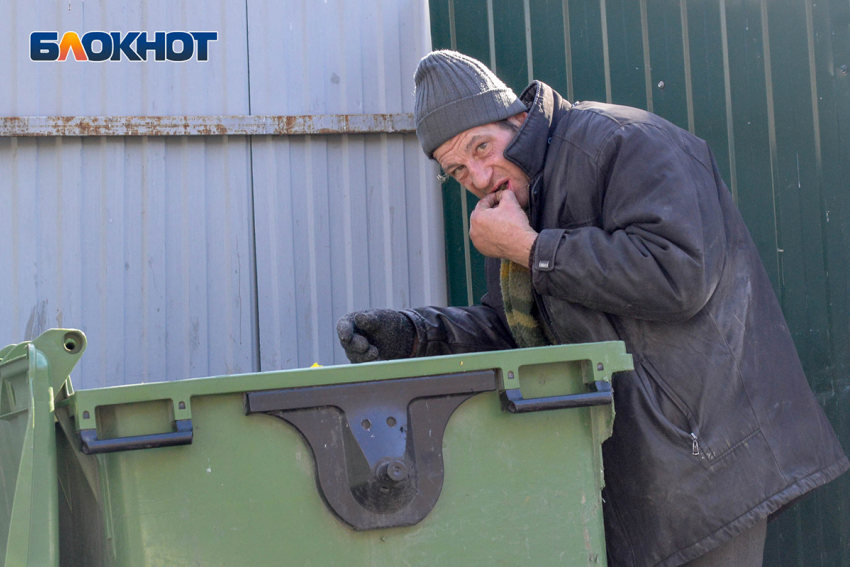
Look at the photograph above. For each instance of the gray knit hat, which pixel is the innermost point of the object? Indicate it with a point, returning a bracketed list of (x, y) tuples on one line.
[(455, 93)]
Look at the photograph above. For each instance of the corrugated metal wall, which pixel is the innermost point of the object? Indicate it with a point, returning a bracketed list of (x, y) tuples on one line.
[(145, 244), (351, 221), (148, 243), (766, 84)]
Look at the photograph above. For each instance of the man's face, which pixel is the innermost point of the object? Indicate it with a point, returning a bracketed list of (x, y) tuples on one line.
[(476, 159)]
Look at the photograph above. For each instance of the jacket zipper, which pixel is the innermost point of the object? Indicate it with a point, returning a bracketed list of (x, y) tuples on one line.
[(541, 307), (695, 449), (544, 315)]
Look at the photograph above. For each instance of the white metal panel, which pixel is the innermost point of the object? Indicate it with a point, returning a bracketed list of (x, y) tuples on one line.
[(125, 88), (335, 56), (145, 244), (343, 222)]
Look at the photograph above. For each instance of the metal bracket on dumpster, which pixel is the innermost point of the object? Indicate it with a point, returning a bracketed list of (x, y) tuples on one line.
[(378, 445)]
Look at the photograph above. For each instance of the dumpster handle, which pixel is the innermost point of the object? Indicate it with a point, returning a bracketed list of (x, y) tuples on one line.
[(599, 395), (92, 445)]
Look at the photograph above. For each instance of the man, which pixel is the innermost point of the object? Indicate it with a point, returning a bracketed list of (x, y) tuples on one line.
[(603, 222)]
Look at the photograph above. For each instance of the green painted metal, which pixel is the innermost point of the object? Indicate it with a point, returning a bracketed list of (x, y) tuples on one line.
[(767, 84), (518, 489)]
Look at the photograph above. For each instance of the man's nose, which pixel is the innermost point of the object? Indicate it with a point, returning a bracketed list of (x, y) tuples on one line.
[(480, 177)]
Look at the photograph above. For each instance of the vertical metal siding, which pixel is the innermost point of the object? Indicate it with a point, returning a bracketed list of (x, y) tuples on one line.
[(766, 83), (146, 244), (343, 222)]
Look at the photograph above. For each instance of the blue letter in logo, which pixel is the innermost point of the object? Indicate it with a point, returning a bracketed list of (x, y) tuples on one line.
[(203, 38), (188, 46), (157, 45), (105, 45), (123, 46), (43, 46)]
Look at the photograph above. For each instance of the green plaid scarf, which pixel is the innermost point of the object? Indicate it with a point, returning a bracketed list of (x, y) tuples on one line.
[(518, 298)]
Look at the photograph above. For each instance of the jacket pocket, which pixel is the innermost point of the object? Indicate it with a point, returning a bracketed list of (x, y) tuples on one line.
[(677, 414)]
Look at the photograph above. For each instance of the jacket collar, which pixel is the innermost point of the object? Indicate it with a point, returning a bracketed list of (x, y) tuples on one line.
[(529, 146)]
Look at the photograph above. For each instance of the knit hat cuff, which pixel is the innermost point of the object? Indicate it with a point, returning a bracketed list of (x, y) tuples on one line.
[(449, 120)]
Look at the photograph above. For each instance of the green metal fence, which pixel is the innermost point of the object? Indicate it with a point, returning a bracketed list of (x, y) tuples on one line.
[(766, 83)]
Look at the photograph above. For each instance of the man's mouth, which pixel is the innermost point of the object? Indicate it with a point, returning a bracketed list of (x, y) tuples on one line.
[(501, 187)]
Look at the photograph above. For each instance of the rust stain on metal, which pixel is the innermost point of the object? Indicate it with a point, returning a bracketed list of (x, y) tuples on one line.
[(258, 125)]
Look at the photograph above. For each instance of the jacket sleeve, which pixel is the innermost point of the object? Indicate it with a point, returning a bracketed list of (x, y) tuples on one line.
[(456, 330), (660, 248)]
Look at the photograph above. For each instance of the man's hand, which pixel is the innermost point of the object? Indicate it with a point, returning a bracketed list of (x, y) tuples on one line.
[(499, 228), (376, 334)]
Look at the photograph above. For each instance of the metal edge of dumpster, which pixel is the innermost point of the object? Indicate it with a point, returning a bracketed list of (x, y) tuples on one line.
[(598, 362), (33, 375), (51, 357)]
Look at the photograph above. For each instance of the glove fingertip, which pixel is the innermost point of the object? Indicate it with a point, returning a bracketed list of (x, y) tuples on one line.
[(358, 344), (358, 358), (364, 321), (345, 329), (371, 354)]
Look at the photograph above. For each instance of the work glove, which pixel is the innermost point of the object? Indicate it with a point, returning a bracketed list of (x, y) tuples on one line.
[(376, 334)]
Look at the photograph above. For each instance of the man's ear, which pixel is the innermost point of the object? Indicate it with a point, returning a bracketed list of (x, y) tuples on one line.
[(518, 119)]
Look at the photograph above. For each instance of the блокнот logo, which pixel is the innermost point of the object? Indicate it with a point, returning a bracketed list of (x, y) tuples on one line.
[(110, 46)]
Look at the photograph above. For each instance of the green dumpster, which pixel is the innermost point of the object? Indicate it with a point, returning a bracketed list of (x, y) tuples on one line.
[(489, 458)]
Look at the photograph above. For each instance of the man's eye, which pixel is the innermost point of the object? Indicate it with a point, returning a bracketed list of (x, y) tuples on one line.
[(483, 146), (458, 171)]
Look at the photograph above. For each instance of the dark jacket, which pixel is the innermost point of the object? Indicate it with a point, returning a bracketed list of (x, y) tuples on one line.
[(716, 428)]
